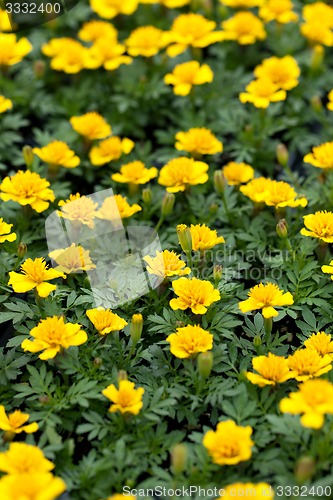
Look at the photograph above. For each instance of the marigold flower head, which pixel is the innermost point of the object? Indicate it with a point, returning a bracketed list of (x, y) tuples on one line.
[(313, 400), (23, 458), (204, 238), (34, 274), (321, 156), (79, 209), (256, 189), (146, 41), (180, 173), (271, 370), (126, 399), (229, 444), (282, 71), (105, 321), (280, 194), (191, 30), (243, 27), (33, 486), (72, 259), (330, 100), (109, 211), (5, 104), (109, 54), (166, 264), (91, 125), (108, 9), (110, 149), (189, 341), (317, 33), (135, 172), (92, 30), (328, 269), (27, 188), (52, 335), (262, 92), (260, 491), (187, 74), (242, 4), (195, 294), (237, 173), (266, 297), (57, 153), (319, 225), (321, 342), (319, 12), (198, 141), (280, 11), (69, 55), (5, 232), (14, 422), (12, 51), (307, 363)]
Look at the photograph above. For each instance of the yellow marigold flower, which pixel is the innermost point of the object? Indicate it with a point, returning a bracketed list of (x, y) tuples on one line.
[(109, 54), (328, 269), (108, 9), (242, 4), (14, 423), (69, 55), (91, 125), (204, 238), (5, 21), (5, 232), (280, 11), (92, 30), (317, 33), (243, 27), (72, 259), (135, 172), (280, 194), (256, 189), (319, 225), (52, 335), (146, 41), (23, 458), (105, 321), (330, 100), (32, 486), (187, 74), (108, 211), (166, 264), (271, 370), (12, 51), (322, 343), (110, 149), (198, 141), (180, 173), (27, 188), (235, 491), (321, 156), (266, 297), (195, 294), (191, 30), (237, 173), (57, 153), (126, 399), (5, 104), (318, 12), (313, 400), (307, 363), (282, 71), (229, 444), (78, 208), (262, 92), (190, 340), (34, 274)]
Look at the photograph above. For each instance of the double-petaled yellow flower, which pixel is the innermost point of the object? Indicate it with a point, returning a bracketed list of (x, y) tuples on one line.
[(194, 294), (32, 486), (198, 141), (115, 206), (229, 444), (91, 125), (166, 264), (5, 104), (126, 399), (110, 149), (282, 71), (105, 321), (271, 370), (187, 74), (180, 173), (35, 274), (319, 225), (308, 363), (146, 41), (5, 232), (22, 458), (135, 172), (69, 55), (280, 11), (259, 491), (92, 30), (266, 297), (108, 9), (237, 173), (72, 259), (321, 156), (262, 92), (16, 422), (321, 342), (78, 209), (280, 194), (57, 153), (256, 189), (109, 53), (12, 51), (204, 238), (189, 341), (244, 27)]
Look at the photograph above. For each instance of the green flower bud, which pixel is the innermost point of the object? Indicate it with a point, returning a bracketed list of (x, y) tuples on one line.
[(205, 363), (136, 328), (147, 196), (219, 181), (316, 103), (179, 458), (305, 469), (282, 229), (184, 238), (217, 273), (122, 375), (257, 341), (282, 154), (28, 156), (213, 208), (22, 250), (167, 204)]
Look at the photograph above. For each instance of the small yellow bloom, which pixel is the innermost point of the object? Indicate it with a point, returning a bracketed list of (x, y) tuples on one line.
[(27, 188), (108, 9), (34, 274), (23, 458), (243, 27), (204, 238), (280, 11), (110, 149), (116, 205), (180, 173), (330, 100), (91, 125), (14, 422), (321, 342), (126, 399), (105, 321), (266, 297), (256, 189), (229, 444), (262, 92), (5, 232), (57, 153), (237, 173), (195, 294), (72, 259), (313, 400), (317, 33), (79, 209), (198, 141), (166, 264), (69, 55), (318, 12), (321, 156), (242, 4), (92, 30), (271, 370), (146, 41), (189, 341), (32, 486), (328, 269), (236, 491), (280, 194), (108, 53), (282, 71), (307, 363), (52, 335), (12, 51), (319, 225), (187, 74), (135, 172), (5, 104)]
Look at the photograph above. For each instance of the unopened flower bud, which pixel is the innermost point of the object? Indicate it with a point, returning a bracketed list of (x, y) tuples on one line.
[(213, 208), (44, 399), (167, 204), (217, 273), (205, 363), (179, 458), (219, 181), (22, 250), (316, 103), (136, 328), (28, 156), (97, 362), (184, 238), (39, 68), (282, 229), (305, 469), (317, 57), (122, 375), (257, 341), (147, 196), (282, 154)]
